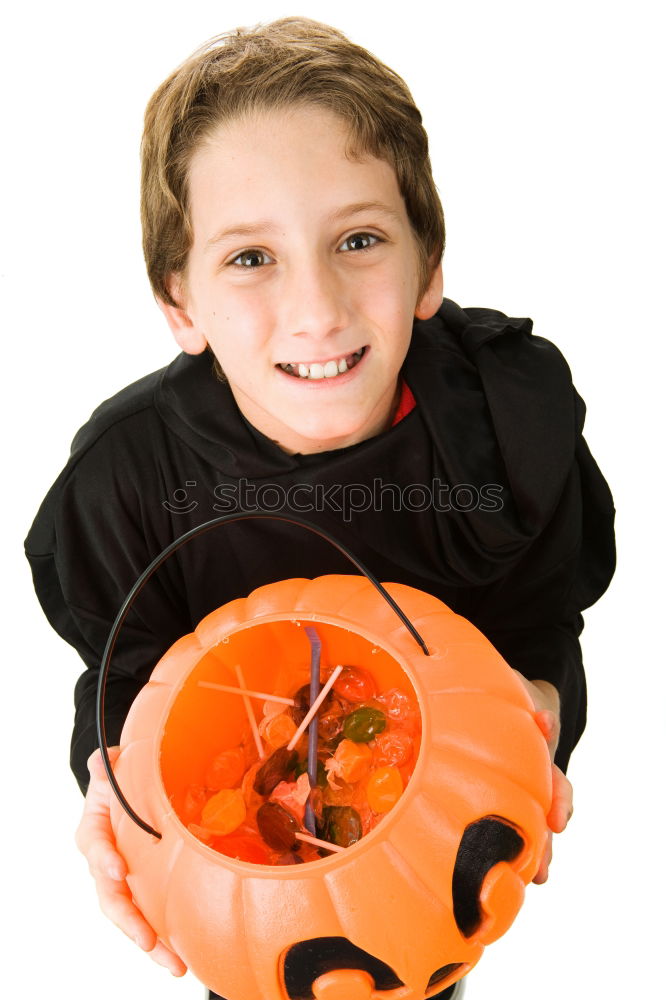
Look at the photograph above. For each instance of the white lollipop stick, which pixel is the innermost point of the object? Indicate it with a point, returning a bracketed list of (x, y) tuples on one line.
[(314, 708), (319, 843), (250, 694), (250, 713)]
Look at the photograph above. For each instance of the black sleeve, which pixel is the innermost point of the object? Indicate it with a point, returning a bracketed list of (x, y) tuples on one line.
[(533, 616), (559, 546), (87, 546)]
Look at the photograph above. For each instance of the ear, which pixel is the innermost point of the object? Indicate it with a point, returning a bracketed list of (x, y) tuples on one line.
[(186, 334), (431, 299)]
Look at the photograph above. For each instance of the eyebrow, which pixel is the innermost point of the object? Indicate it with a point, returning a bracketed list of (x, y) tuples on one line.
[(267, 226)]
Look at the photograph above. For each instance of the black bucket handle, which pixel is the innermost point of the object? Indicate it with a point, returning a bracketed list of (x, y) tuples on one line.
[(153, 567)]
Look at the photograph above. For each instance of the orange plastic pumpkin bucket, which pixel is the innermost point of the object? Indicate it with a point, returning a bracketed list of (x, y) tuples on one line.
[(396, 915)]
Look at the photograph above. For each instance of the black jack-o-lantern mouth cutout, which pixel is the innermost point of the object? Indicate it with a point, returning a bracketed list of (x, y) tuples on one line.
[(308, 960), (307, 965)]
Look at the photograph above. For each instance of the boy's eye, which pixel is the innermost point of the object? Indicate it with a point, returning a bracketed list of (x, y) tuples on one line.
[(250, 258), (360, 241)]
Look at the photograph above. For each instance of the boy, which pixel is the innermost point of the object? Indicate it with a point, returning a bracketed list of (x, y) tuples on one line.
[(292, 230)]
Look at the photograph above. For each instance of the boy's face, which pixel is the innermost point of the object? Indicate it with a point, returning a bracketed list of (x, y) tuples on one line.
[(300, 258)]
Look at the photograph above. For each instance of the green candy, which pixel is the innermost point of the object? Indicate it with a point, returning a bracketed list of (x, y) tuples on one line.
[(302, 767), (340, 825), (364, 724)]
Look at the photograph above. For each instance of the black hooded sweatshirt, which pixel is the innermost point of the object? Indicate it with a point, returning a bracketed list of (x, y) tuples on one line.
[(485, 495)]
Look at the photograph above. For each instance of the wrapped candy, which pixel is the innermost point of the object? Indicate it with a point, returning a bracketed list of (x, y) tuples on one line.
[(384, 788), (355, 684), (224, 811), (351, 762), (252, 804)]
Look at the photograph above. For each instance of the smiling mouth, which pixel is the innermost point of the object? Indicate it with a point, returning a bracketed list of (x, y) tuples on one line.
[(327, 369)]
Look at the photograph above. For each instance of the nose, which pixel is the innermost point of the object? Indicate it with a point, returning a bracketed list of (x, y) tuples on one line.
[(344, 984), (314, 307)]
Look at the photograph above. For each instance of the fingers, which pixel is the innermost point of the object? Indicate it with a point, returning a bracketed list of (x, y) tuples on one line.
[(561, 809), (94, 835), (95, 763), (546, 700), (542, 873), (549, 724), (95, 839), (115, 900), (168, 959)]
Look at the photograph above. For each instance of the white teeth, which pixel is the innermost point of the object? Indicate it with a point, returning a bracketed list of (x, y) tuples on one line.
[(330, 369)]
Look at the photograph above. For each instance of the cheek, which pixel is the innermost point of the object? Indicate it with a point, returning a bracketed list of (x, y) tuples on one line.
[(239, 330), (390, 301)]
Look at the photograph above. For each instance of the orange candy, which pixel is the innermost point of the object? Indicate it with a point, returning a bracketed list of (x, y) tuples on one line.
[(247, 785), (351, 762), (369, 777), (355, 684), (271, 708), (224, 812), (243, 847), (195, 799), (384, 788), (225, 770), (369, 819), (392, 747), (277, 730), (205, 836)]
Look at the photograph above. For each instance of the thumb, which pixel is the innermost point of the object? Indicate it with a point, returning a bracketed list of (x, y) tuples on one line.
[(95, 762)]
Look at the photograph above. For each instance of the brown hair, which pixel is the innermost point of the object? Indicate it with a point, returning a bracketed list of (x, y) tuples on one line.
[(290, 61)]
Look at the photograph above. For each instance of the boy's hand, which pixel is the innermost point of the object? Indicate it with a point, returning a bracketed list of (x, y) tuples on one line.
[(546, 700), (94, 838)]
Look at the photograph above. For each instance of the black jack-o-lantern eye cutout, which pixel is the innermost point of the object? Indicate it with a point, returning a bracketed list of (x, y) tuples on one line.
[(484, 844)]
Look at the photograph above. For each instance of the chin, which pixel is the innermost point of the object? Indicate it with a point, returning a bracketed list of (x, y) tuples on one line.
[(326, 436)]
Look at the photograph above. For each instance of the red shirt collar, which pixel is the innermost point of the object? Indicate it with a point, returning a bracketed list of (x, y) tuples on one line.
[(406, 403)]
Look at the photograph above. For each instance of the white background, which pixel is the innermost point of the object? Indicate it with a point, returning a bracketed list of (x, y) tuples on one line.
[(544, 121)]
